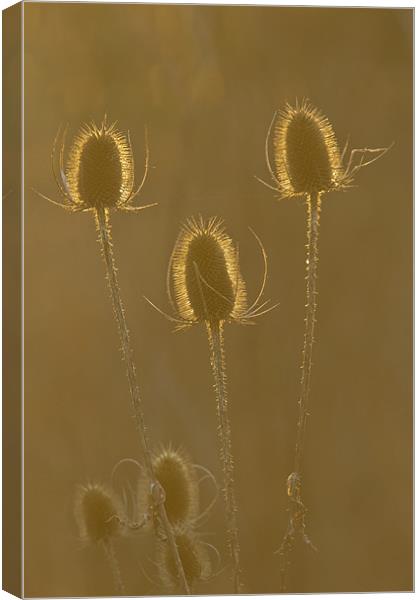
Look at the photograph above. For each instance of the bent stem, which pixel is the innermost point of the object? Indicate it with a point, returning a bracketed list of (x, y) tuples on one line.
[(111, 557), (158, 494), (296, 509), (217, 359)]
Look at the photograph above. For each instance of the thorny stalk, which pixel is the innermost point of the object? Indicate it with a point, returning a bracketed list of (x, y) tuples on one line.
[(217, 358), (158, 494), (296, 508), (111, 557)]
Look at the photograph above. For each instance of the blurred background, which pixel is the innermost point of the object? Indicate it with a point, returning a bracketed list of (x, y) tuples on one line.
[(206, 82)]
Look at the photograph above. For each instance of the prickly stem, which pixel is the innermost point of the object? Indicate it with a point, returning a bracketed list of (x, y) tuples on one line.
[(105, 238), (111, 557), (215, 335), (296, 508)]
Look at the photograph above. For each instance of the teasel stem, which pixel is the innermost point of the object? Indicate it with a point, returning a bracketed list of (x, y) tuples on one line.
[(158, 494), (313, 204), (111, 557), (217, 359), (297, 510)]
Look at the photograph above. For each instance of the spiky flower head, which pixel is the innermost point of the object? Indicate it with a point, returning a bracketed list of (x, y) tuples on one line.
[(194, 557), (307, 158), (100, 167), (97, 513), (98, 173), (176, 474), (206, 279), (204, 282), (306, 154)]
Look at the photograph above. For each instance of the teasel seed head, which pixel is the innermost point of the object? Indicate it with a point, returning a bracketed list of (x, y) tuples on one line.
[(307, 158), (98, 173), (193, 554), (204, 282), (306, 154), (177, 475), (100, 167), (206, 279), (97, 512)]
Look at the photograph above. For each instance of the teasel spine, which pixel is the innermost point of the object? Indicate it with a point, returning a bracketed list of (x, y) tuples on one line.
[(105, 238), (218, 363)]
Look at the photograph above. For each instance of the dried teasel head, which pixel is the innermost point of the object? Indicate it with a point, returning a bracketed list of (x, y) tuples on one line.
[(177, 475), (98, 172), (100, 167), (307, 158), (204, 281), (97, 512), (306, 154), (194, 557)]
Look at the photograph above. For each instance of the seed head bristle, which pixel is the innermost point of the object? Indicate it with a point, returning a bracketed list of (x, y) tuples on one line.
[(97, 513), (100, 167), (176, 474), (207, 283), (194, 557), (306, 154)]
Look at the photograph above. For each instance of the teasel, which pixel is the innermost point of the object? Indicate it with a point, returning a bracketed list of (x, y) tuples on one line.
[(194, 557), (205, 286), (99, 517), (178, 478), (309, 164), (97, 176)]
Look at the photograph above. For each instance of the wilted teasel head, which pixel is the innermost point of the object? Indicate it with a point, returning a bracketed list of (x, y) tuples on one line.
[(307, 158), (194, 557), (177, 475), (98, 172), (204, 282), (98, 513)]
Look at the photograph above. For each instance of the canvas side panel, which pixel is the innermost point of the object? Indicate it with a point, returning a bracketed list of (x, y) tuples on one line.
[(12, 271)]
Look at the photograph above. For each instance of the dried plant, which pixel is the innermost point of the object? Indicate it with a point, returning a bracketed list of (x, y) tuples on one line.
[(308, 163), (99, 517), (98, 176), (178, 478), (194, 556), (205, 286)]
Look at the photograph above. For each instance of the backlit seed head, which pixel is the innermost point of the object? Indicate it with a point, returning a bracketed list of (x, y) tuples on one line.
[(97, 513), (306, 154), (206, 280), (176, 474), (100, 167), (193, 555)]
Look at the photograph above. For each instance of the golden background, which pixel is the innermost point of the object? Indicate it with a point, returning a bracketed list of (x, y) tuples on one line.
[(206, 81)]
